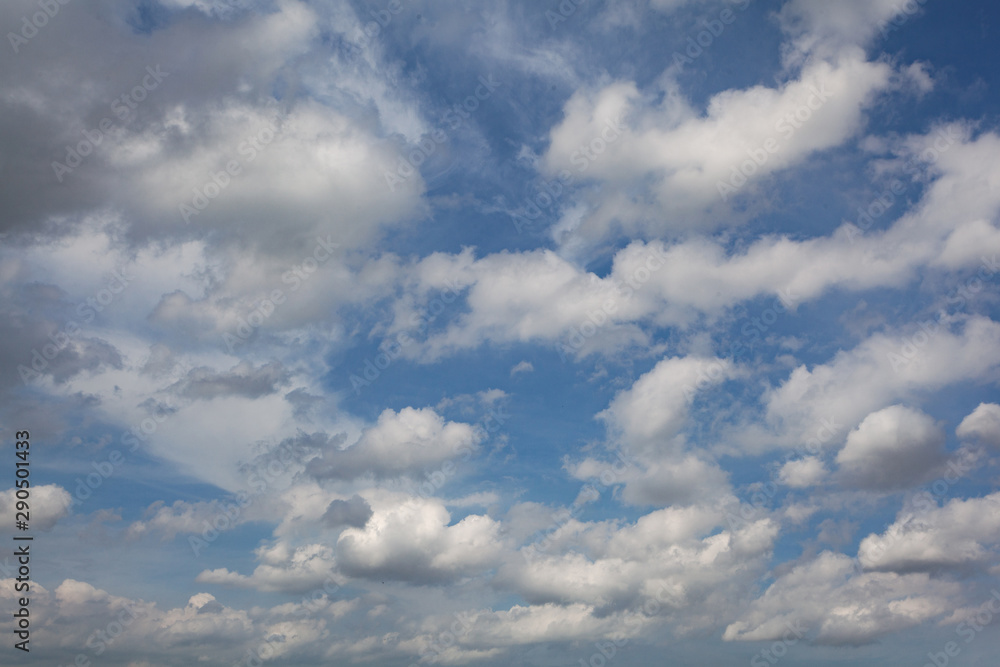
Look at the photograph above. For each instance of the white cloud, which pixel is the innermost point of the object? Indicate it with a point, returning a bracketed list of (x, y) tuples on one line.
[(822, 28), (166, 521), (522, 625), (208, 438), (283, 568), (538, 296), (670, 556), (893, 448), (299, 165), (644, 423), (47, 504), (660, 480), (412, 539), (827, 601), (688, 155), (526, 297), (481, 499), (983, 425), (803, 473), (668, 6), (522, 367), (655, 408), (78, 617), (961, 533), (834, 397), (399, 443), (475, 635)]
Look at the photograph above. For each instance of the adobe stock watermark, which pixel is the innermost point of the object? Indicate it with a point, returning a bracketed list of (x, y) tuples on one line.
[(565, 9), (759, 501), (611, 475), (455, 116), (606, 651), (260, 479), (38, 20), (867, 215), (609, 648), (296, 276), (969, 630), (588, 494), (139, 433), (329, 587), (383, 17), (435, 480), (100, 640), (123, 107), (929, 329), (921, 502), (904, 13), (391, 350), (547, 197), (87, 310), (787, 126), (582, 158), (713, 29), (445, 639), (779, 648), (751, 333), (256, 657), (601, 316), (876, 209), (588, 153), (249, 148)]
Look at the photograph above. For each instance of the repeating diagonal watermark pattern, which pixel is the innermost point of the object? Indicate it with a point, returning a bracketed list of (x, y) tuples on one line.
[(123, 107)]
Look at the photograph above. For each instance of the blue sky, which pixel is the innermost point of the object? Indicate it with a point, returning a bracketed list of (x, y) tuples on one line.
[(531, 333)]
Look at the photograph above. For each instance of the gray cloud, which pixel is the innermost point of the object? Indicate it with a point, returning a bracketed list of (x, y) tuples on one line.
[(241, 380), (893, 448), (354, 512), (36, 341)]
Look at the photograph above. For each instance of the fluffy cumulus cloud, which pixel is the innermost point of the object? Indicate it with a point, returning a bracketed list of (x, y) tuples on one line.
[(962, 533), (76, 618), (672, 556), (698, 161), (414, 540), (892, 448), (694, 161), (803, 473), (496, 333), (282, 568), (829, 399), (171, 140), (827, 601), (509, 297), (398, 443), (655, 408), (982, 425), (523, 297), (45, 505), (645, 423), (258, 165)]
